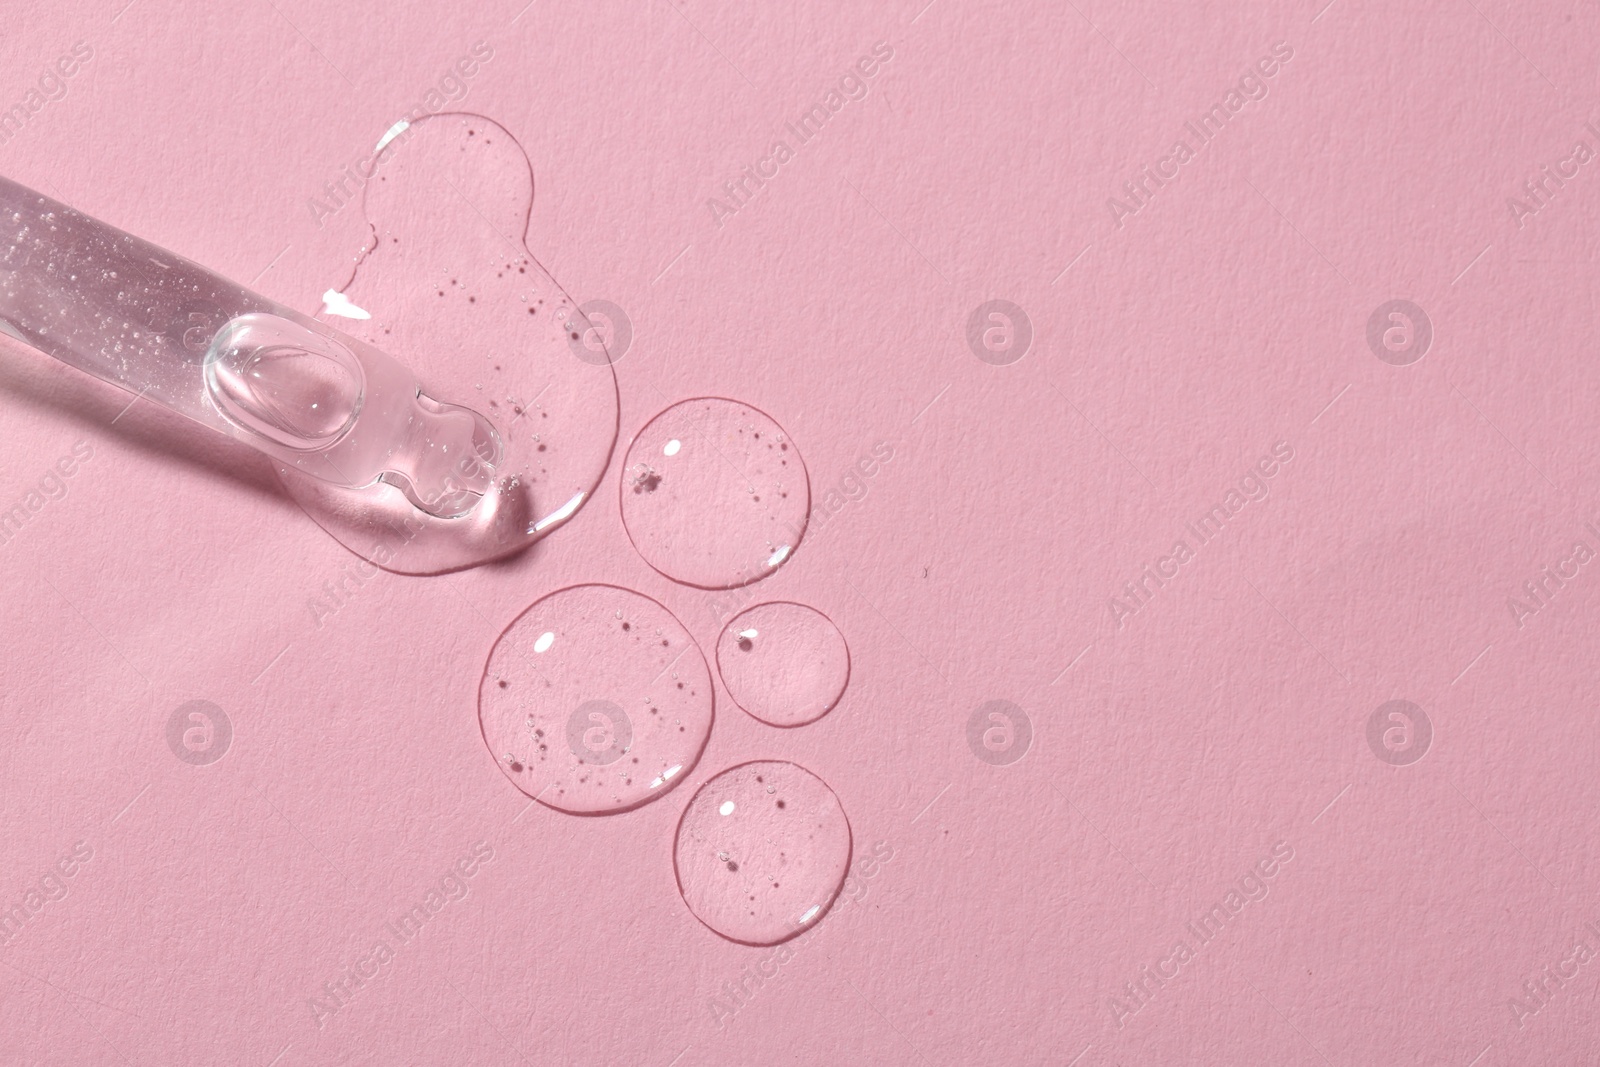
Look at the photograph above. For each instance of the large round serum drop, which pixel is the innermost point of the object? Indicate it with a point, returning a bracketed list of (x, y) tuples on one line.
[(714, 494), (595, 700), (762, 851), (785, 664)]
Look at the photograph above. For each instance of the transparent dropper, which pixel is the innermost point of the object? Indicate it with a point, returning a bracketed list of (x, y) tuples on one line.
[(317, 401)]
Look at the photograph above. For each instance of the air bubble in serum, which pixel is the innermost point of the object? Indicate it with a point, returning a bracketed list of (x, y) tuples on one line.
[(597, 716), (714, 494), (760, 867), (785, 664)]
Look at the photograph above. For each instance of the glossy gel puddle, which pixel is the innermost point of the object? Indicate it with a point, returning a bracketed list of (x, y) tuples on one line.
[(785, 664), (595, 700), (714, 494), (449, 284), (762, 852)]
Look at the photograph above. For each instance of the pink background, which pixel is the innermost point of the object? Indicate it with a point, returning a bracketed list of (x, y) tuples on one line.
[(1170, 754)]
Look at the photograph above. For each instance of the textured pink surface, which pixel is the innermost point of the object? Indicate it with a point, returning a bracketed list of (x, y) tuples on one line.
[(1203, 747)]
